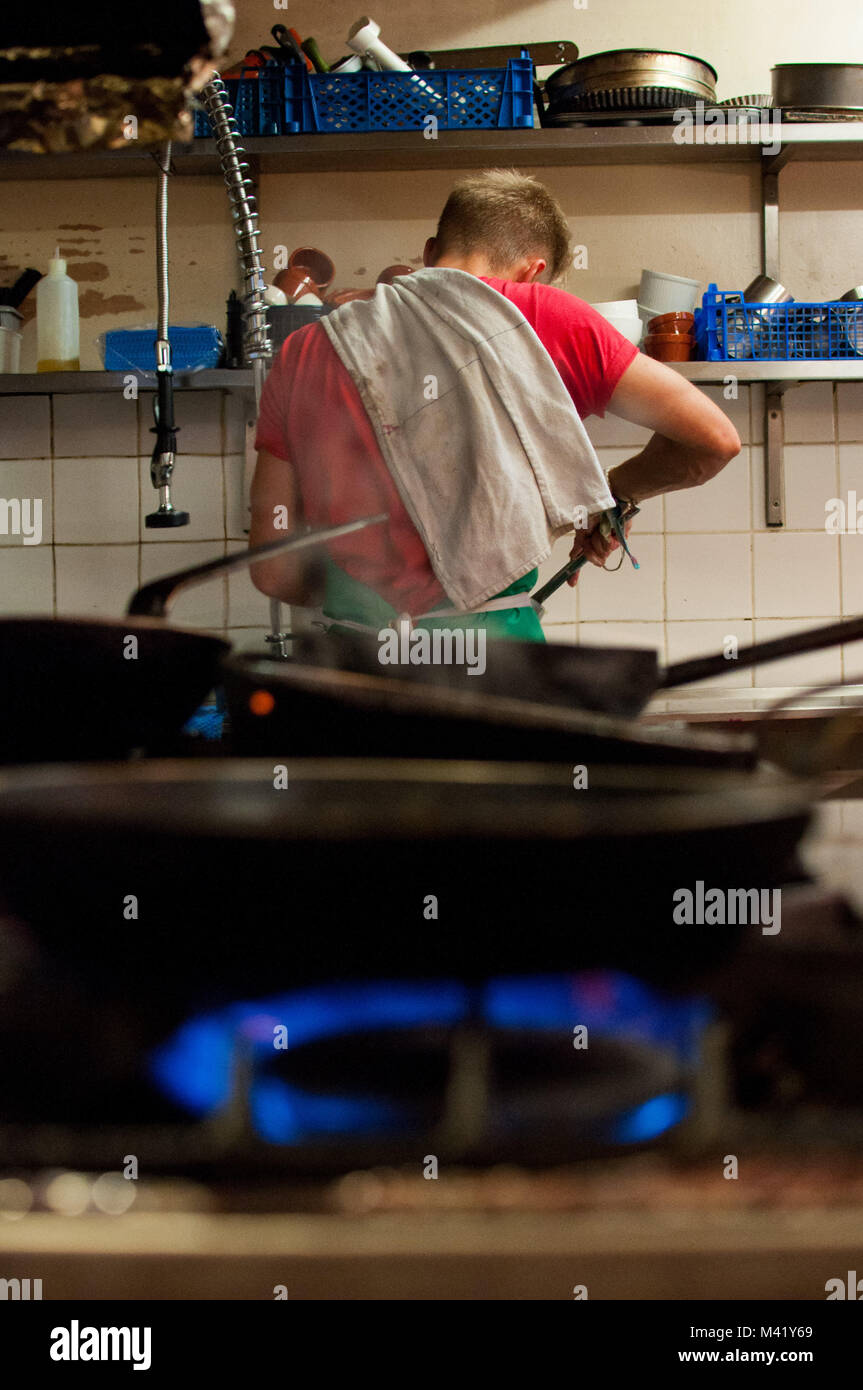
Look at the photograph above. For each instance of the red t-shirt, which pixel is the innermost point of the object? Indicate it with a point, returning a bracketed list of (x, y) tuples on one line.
[(311, 414)]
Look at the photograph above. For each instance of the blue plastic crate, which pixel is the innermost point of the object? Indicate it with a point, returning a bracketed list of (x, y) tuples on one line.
[(728, 329), (134, 349), (288, 100), (244, 95)]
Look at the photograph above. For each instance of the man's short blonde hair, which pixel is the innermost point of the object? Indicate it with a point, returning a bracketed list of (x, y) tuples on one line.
[(505, 216)]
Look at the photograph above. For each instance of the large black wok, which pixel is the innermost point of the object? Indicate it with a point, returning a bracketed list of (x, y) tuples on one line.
[(74, 688), (299, 710), (247, 875)]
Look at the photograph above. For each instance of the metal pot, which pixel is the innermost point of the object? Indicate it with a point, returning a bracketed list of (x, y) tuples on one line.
[(764, 290), (818, 86), (630, 77)]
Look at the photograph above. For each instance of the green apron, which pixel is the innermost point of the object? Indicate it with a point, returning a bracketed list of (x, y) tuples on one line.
[(348, 599)]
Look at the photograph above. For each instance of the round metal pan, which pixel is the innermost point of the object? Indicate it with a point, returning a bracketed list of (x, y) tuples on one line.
[(247, 872), (818, 86), (630, 77)]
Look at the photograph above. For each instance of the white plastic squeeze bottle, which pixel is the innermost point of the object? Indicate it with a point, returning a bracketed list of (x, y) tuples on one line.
[(57, 329)]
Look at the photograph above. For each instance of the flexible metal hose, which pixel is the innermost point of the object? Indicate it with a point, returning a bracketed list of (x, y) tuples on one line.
[(256, 337), (162, 285), (258, 349)]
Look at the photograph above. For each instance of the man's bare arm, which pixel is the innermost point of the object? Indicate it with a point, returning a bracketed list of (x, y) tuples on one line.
[(692, 441), (275, 501)]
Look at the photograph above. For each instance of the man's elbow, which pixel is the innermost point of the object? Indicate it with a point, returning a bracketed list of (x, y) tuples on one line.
[(717, 451)]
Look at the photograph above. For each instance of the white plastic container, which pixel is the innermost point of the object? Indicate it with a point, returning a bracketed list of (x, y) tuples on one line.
[(668, 294), (622, 314), (57, 326)]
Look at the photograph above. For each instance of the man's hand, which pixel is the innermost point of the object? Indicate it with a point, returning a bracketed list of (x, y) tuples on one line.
[(596, 546)]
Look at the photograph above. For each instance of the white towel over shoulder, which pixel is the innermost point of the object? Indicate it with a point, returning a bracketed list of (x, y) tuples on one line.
[(479, 433)]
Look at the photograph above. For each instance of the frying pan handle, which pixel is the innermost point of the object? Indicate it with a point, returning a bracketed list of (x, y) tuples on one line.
[(627, 512), (701, 668), (153, 599)]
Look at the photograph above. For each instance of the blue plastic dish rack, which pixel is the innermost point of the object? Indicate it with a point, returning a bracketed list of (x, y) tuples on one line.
[(284, 99), (727, 329), (134, 349)]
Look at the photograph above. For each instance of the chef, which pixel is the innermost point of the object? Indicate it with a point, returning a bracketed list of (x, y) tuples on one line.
[(453, 401)]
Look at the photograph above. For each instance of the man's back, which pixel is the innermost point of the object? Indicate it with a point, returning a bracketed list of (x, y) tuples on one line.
[(312, 416)]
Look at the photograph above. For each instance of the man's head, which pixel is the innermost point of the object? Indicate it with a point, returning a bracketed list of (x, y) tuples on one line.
[(501, 223)]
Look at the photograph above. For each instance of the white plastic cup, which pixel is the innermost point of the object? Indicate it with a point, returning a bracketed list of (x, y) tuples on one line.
[(668, 294)]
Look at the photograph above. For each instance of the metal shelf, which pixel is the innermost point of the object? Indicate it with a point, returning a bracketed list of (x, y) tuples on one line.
[(384, 151), (224, 379), (71, 383), (791, 373)]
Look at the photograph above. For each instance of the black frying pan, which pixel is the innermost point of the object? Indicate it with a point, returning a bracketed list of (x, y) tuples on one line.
[(616, 681), (76, 688)]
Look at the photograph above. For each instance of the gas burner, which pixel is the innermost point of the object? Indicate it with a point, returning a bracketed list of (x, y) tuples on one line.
[(525, 1070)]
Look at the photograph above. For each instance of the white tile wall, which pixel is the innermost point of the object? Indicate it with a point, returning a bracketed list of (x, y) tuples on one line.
[(651, 635), (92, 427), (851, 480), (708, 564), (849, 396), (709, 576), (26, 580), (96, 501), (95, 580), (851, 557), (566, 633), (811, 479), (808, 413), (25, 427), (796, 575)]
